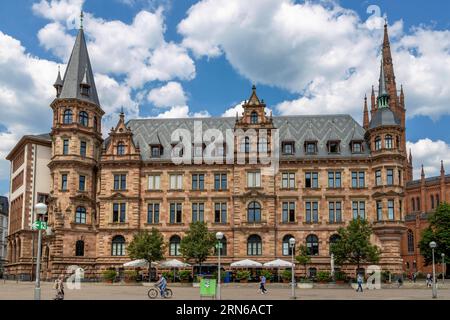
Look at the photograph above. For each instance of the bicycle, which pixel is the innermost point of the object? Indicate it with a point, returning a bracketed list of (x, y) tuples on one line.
[(154, 292)]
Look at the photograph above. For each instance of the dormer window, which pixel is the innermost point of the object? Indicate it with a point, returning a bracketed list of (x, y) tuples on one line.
[(254, 117), (84, 90), (156, 151), (333, 147), (357, 147), (288, 147), (388, 142), (311, 147), (120, 149), (177, 150), (84, 118), (377, 143)]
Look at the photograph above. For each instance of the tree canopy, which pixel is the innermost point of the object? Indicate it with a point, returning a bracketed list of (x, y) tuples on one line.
[(438, 231), (354, 246), (197, 243)]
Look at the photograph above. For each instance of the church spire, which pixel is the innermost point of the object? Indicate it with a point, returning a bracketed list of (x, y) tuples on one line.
[(79, 73), (388, 67), (383, 95), (366, 114)]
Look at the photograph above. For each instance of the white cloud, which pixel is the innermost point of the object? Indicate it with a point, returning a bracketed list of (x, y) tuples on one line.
[(321, 51), (231, 112), (137, 50), (429, 153), (171, 94), (182, 112)]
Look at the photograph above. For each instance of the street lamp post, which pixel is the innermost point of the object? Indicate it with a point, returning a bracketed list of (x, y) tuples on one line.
[(443, 267), (433, 246), (219, 237), (292, 245), (41, 210)]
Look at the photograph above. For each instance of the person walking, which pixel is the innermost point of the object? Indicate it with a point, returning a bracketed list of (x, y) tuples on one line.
[(262, 285), (359, 280), (414, 277), (429, 282), (59, 287)]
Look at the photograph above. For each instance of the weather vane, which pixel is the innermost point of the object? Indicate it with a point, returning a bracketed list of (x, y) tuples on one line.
[(81, 19)]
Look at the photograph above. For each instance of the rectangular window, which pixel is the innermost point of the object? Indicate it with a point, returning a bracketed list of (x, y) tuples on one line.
[(359, 209), (399, 177), (253, 179), (378, 178), (83, 148), (288, 180), (357, 147), (379, 210), (153, 213), (312, 211), (198, 212), (335, 211), (288, 214), (66, 146), (64, 182), (358, 179), (390, 177), (156, 151), (176, 182), (334, 179), (120, 182), (119, 212), (391, 210), (220, 212), (311, 180), (220, 181), (288, 148), (310, 147), (154, 182), (176, 213), (82, 183), (198, 182)]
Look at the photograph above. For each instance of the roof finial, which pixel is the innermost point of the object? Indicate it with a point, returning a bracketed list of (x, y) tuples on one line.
[(422, 173), (442, 168), (81, 19)]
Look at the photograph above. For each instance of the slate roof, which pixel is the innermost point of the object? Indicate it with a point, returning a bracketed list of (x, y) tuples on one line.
[(297, 128), (79, 70), (383, 117)]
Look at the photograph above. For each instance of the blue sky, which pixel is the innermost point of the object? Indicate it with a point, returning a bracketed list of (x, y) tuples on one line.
[(215, 57)]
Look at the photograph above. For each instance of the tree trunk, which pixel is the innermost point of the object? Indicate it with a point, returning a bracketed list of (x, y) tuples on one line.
[(149, 271)]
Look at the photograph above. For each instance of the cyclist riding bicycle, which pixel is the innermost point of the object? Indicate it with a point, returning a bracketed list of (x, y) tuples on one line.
[(162, 284)]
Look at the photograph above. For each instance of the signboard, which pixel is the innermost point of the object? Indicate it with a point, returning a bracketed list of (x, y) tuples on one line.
[(208, 288), (39, 225), (219, 245)]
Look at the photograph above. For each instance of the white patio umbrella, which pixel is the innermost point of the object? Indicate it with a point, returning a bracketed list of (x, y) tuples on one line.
[(140, 263), (278, 263), (174, 264), (247, 263)]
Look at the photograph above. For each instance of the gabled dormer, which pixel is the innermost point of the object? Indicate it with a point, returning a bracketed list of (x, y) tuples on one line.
[(120, 144), (254, 115)]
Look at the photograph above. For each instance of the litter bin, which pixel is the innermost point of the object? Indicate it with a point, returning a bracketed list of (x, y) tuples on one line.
[(227, 278)]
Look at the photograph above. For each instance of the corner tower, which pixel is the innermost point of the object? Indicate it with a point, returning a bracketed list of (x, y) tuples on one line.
[(76, 148)]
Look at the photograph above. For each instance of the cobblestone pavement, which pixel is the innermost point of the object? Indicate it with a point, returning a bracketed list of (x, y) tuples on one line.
[(10, 290)]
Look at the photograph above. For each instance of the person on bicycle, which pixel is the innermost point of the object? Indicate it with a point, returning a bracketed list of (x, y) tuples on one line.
[(162, 284)]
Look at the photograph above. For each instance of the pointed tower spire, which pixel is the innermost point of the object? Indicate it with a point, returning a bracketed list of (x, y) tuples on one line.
[(78, 73), (442, 169), (402, 97), (58, 83), (383, 96), (410, 156), (366, 114), (391, 86), (422, 174)]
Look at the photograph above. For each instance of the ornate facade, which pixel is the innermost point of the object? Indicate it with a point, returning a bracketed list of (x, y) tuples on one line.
[(329, 170)]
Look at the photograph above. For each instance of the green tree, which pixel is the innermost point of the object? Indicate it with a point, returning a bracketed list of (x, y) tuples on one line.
[(303, 257), (147, 245), (354, 245), (438, 231), (197, 243)]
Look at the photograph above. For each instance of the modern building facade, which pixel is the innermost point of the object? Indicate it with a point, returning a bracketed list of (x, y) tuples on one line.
[(320, 173), (423, 197), (3, 231)]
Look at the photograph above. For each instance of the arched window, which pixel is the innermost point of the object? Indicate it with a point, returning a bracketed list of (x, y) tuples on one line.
[(120, 149), (223, 249), (333, 239), (80, 215), (287, 250), (312, 245), (388, 142), (377, 143), (68, 116), (118, 246), (84, 118), (245, 145), (254, 117), (79, 248), (254, 245), (410, 235), (174, 246), (254, 212), (432, 201)]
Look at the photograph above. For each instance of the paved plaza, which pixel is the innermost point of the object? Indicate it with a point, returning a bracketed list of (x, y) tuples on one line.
[(10, 290)]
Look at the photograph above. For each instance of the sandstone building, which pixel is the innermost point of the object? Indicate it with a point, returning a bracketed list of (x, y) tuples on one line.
[(101, 192)]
